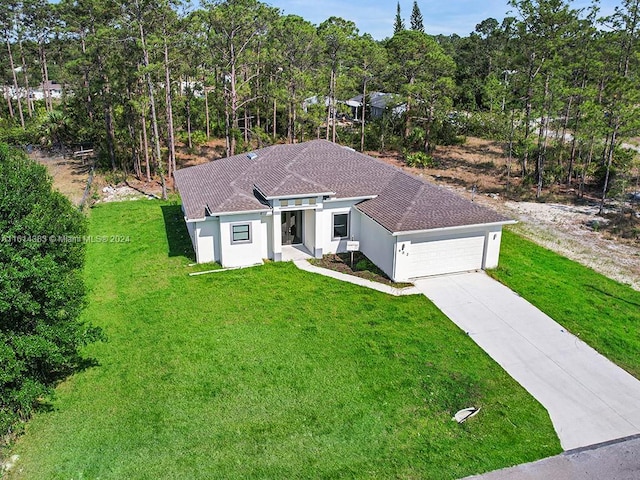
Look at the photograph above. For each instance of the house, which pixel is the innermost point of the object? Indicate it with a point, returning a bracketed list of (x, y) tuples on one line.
[(378, 103), (319, 195)]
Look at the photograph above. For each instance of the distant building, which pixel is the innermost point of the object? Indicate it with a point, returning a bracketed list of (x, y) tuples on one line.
[(378, 103)]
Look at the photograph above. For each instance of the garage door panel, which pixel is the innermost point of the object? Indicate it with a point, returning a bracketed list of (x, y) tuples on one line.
[(449, 255)]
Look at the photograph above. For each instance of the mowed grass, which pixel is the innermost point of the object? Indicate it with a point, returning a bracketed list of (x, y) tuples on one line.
[(602, 312), (267, 372)]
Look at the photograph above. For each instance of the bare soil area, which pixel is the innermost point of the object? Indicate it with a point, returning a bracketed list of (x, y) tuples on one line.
[(477, 170), (69, 174)]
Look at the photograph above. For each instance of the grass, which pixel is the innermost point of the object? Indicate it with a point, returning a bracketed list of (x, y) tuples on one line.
[(267, 372), (602, 312)]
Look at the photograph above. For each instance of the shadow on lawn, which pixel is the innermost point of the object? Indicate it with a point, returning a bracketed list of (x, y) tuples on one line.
[(177, 234)]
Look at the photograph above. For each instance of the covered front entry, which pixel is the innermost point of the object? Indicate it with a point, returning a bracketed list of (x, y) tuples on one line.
[(292, 225)]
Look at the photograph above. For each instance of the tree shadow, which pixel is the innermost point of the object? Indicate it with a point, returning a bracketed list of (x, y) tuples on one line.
[(177, 234), (599, 290)]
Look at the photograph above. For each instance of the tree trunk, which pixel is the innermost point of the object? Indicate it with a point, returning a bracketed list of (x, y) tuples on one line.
[(333, 107), (152, 104), (46, 86), (189, 139), (364, 102), (275, 111), (7, 96), (329, 106), (206, 107), (542, 139), (146, 147), (612, 147), (15, 82), (85, 76), (168, 99), (30, 107)]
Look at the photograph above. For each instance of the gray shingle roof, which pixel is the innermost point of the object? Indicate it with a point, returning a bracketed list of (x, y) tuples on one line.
[(403, 202)]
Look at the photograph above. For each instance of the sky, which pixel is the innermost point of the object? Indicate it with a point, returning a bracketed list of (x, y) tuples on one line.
[(376, 17)]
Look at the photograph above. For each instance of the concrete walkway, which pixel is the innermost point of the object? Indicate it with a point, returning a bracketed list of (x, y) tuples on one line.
[(363, 282), (590, 400), (618, 460)]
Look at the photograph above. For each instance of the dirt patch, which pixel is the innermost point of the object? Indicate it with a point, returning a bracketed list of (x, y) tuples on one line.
[(69, 174), (480, 163), (362, 267)]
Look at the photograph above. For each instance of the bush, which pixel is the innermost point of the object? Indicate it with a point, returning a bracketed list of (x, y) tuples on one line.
[(419, 160), (41, 287)]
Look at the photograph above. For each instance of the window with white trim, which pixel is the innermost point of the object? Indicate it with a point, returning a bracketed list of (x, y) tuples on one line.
[(340, 225), (241, 233)]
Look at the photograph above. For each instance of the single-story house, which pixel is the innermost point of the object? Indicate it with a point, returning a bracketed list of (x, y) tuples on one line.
[(378, 103), (316, 196)]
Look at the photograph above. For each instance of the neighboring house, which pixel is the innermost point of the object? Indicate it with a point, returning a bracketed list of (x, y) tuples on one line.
[(318, 195), (55, 90), (378, 103)]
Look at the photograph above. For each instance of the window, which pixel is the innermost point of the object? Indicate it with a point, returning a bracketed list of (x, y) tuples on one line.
[(340, 225), (241, 233)]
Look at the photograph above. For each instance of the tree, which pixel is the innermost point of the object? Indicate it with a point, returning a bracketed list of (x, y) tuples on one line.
[(398, 25), (235, 28), (41, 287), (423, 73), (370, 61), (295, 49), (338, 36), (416, 18)]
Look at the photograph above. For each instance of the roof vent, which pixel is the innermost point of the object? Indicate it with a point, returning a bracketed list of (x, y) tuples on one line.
[(252, 155)]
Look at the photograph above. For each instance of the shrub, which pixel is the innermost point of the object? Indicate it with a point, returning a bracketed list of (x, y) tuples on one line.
[(41, 287), (419, 159)]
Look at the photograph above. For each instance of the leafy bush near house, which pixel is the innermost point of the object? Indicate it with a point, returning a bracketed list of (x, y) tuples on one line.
[(419, 159), (41, 288)]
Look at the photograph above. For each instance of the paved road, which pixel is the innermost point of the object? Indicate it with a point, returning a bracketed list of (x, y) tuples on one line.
[(613, 461), (589, 399)]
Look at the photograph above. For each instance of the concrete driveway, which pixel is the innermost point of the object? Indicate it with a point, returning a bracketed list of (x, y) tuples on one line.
[(589, 399)]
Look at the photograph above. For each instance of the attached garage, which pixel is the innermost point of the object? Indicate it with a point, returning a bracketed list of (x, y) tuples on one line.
[(435, 256)]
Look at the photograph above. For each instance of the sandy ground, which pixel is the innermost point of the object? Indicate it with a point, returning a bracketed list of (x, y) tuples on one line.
[(571, 230), (69, 174)]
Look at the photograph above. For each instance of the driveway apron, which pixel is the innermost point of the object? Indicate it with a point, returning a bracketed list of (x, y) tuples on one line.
[(589, 399)]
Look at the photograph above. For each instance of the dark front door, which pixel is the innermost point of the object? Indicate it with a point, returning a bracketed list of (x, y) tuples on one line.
[(291, 227)]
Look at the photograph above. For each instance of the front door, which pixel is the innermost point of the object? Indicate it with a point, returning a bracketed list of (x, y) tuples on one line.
[(291, 227)]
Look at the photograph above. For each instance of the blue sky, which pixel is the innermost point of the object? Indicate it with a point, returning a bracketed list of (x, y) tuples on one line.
[(442, 17)]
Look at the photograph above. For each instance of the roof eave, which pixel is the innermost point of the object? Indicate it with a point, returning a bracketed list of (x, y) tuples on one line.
[(299, 195), (455, 228), (238, 212)]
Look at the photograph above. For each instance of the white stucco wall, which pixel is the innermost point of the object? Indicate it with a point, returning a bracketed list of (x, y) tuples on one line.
[(329, 245), (376, 242), (206, 240), (243, 254), (309, 230), (492, 247)]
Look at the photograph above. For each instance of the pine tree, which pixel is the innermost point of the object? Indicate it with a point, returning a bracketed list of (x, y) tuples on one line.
[(398, 26), (416, 18)]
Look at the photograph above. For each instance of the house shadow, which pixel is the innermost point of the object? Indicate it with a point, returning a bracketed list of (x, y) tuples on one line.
[(177, 234)]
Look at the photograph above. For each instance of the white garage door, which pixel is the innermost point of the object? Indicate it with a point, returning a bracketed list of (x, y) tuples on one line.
[(449, 255)]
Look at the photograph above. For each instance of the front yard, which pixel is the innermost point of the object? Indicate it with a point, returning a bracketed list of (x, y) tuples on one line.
[(267, 372)]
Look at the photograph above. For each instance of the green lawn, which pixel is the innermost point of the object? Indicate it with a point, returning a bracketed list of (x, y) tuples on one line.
[(604, 313), (267, 372)]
